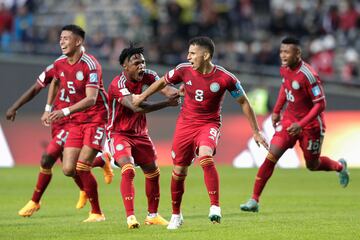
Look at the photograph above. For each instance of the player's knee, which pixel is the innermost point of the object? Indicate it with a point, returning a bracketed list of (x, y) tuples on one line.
[(47, 161), (312, 165), (179, 173), (69, 171)]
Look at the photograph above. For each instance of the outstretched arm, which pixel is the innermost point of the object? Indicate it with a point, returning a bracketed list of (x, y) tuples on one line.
[(146, 106), (26, 97), (153, 88), (250, 115)]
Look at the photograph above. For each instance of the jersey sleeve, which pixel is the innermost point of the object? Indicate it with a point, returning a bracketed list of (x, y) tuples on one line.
[(174, 76), (314, 88), (234, 87), (46, 76), (118, 89), (152, 76)]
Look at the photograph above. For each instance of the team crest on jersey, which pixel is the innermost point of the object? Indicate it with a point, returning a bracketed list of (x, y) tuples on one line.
[(278, 128), (295, 85), (171, 73), (119, 147), (80, 75), (214, 87)]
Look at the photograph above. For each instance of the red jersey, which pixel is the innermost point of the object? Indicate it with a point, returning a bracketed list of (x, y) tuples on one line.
[(74, 79), (204, 93), (302, 88), (123, 119), (44, 80)]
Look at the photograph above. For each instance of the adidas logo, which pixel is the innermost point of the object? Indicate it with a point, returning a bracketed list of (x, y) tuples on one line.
[(189, 83), (62, 74)]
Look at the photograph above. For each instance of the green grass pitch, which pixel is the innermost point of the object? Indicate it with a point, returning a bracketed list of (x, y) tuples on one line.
[(297, 204)]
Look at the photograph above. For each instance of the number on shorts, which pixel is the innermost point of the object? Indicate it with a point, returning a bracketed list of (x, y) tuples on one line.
[(314, 146), (214, 133), (62, 135)]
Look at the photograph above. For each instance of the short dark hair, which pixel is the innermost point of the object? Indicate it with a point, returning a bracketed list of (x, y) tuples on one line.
[(291, 40), (74, 29), (205, 42), (126, 53)]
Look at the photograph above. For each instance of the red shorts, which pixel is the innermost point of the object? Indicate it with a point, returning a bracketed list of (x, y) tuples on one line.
[(140, 148), (310, 140), (89, 134), (188, 138), (59, 133)]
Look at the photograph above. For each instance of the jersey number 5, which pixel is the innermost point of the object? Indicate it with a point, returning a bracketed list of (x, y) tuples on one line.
[(63, 97)]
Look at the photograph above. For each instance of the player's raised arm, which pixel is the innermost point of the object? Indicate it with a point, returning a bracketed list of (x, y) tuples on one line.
[(153, 88), (25, 97), (250, 115)]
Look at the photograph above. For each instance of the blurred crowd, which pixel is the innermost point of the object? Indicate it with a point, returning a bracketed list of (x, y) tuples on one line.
[(246, 32)]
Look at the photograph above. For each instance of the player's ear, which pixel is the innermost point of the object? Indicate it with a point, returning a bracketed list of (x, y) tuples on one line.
[(206, 55), (79, 41)]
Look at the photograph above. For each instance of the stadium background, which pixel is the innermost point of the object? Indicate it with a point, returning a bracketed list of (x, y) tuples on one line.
[(247, 35)]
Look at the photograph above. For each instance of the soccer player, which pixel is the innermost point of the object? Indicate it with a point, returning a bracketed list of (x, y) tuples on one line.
[(130, 143), (198, 125), (79, 76), (55, 147), (302, 97)]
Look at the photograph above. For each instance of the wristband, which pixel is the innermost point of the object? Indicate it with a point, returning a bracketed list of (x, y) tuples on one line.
[(66, 111), (48, 108)]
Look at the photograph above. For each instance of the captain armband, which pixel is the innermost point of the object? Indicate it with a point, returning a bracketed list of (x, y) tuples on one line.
[(238, 91)]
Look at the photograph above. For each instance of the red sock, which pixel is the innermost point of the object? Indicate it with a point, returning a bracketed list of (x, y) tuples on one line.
[(43, 181), (263, 175), (78, 182), (211, 178), (177, 191), (98, 162), (90, 185), (127, 188), (152, 188), (326, 164)]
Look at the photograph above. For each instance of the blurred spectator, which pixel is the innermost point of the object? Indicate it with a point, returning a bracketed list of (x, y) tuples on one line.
[(323, 55), (6, 22), (80, 15), (246, 34), (23, 28), (350, 70)]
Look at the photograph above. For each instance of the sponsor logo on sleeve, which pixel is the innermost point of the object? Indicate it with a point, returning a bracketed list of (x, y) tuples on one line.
[(124, 91), (171, 73), (316, 91), (93, 77), (42, 77)]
